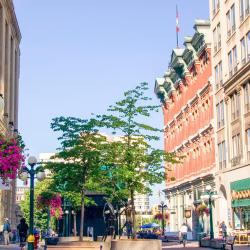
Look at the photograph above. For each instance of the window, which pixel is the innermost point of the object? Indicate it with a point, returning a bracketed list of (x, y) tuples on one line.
[(220, 73), (216, 70), (235, 59), (236, 149), (218, 36), (220, 114), (247, 7), (242, 10), (228, 24), (243, 50), (222, 155), (248, 143), (233, 18), (215, 40), (235, 106), (230, 63), (246, 97), (231, 21), (215, 6), (248, 45)]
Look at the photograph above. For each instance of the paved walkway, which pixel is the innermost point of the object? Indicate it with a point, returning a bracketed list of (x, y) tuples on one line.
[(195, 246), (171, 245)]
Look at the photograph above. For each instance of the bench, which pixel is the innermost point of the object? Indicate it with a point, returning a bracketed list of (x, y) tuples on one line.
[(229, 241)]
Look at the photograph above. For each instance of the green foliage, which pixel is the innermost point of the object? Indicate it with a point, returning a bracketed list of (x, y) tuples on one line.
[(76, 167), (40, 216), (133, 162), (136, 163)]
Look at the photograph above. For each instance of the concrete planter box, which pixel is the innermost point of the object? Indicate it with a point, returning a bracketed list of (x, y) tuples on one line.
[(215, 243), (73, 238), (137, 244)]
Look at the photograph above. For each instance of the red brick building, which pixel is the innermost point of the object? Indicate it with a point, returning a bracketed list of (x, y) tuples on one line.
[(186, 94)]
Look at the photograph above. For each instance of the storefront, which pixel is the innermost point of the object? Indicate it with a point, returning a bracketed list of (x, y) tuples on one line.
[(240, 193)]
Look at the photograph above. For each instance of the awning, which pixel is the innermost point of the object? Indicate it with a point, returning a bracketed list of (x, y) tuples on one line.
[(241, 203), (240, 185)]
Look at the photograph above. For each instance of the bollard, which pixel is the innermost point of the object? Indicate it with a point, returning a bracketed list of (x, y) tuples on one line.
[(31, 240)]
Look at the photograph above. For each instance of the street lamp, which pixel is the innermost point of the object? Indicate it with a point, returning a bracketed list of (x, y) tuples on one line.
[(40, 175), (209, 196), (162, 206)]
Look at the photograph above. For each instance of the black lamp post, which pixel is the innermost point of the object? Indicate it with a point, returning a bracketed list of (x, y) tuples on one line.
[(162, 206), (209, 196), (67, 214), (32, 172)]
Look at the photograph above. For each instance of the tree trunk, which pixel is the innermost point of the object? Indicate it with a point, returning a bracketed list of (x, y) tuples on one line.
[(133, 214), (82, 215)]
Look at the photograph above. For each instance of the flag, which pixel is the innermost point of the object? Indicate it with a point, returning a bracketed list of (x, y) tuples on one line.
[(177, 20)]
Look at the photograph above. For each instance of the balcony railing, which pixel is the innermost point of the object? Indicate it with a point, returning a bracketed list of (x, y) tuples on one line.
[(236, 160)]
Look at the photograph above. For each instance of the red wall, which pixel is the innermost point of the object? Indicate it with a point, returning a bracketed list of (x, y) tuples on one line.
[(199, 154)]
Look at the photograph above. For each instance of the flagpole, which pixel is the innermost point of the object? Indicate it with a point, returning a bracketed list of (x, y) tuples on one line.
[(177, 27)]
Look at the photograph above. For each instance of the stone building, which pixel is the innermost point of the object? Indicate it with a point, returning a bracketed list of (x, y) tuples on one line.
[(185, 91), (10, 37), (230, 26)]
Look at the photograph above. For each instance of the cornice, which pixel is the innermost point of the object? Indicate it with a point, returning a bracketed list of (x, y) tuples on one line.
[(10, 11), (239, 77)]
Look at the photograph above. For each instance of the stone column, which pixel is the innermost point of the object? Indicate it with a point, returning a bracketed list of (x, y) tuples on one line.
[(12, 81), (7, 72), (16, 98), (2, 49)]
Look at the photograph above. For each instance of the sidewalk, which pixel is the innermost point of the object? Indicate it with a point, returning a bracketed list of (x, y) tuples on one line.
[(195, 246), (10, 247)]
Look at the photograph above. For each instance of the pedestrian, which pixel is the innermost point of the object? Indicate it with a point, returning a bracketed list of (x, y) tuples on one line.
[(223, 229), (183, 231), (6, 231), (23, 232)]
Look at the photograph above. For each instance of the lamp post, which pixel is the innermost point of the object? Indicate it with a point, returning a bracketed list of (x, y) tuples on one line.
[(209, 196), (162, 206), (40, 175)]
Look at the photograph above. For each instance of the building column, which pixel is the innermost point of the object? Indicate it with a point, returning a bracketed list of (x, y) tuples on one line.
[(2, 49), (7, 73), (12, 81), (16, 98)]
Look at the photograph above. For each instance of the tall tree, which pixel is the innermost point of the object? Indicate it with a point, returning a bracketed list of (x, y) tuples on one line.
[(77, 164), (138, 165)]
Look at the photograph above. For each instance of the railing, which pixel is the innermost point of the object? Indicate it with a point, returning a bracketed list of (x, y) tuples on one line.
[(236, 160)]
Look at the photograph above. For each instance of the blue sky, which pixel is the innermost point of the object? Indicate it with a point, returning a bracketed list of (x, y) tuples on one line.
[(78, 58)]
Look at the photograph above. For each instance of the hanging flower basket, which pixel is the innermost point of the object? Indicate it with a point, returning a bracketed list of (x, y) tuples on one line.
[(52, 201), (158, 216), (202, 209), (11, 159)]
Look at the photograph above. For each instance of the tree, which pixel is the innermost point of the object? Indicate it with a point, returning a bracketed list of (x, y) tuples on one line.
[(77, 164), (136, 164), (40, 216)]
